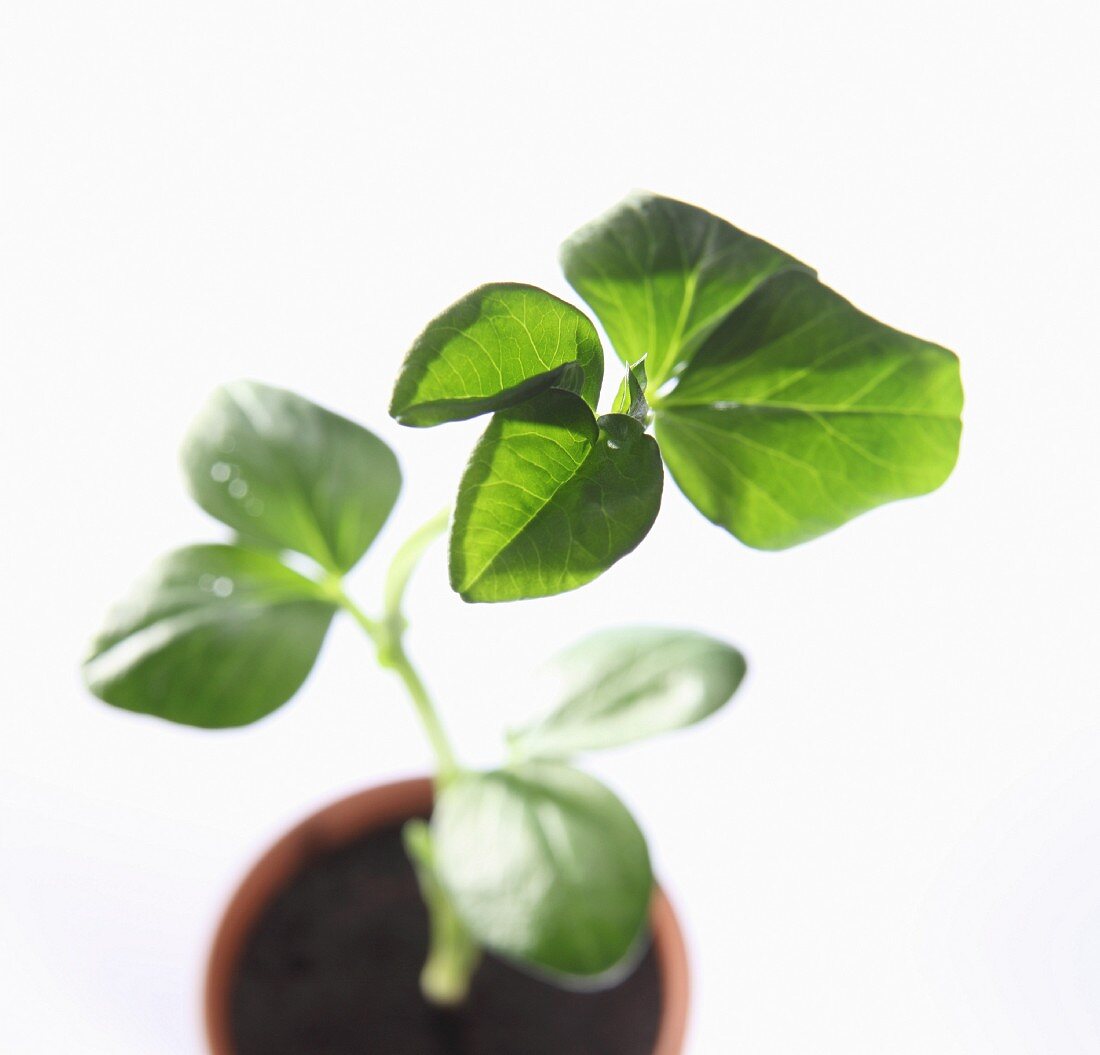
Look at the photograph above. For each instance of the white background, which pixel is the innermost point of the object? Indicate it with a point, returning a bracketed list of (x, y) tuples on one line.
[(890, 842)]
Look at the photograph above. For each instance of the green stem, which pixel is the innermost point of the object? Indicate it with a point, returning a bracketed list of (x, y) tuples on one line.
[(453, 955), (398, 661), (388, 637)]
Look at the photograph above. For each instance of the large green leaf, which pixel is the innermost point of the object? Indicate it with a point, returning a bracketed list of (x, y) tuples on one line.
[(283, 471), (213, 636), (499, 345), (661, 274), (551, 499), (800, 412), (629, 683), (545, 866)]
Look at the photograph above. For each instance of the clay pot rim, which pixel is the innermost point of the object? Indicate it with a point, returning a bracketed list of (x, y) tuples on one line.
[(377, 807)]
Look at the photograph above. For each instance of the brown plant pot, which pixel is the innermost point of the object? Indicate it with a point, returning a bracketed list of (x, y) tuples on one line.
[(348, 820)]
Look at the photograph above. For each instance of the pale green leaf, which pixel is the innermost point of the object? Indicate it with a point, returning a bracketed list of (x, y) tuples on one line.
[(213, 636), (626, 684), (287, 473), (545, 866)]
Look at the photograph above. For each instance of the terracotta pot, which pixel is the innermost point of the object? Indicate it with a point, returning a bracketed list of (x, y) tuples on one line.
[(348, 819)]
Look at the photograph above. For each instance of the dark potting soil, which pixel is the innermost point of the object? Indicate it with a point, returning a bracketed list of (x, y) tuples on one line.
[(332, 968)]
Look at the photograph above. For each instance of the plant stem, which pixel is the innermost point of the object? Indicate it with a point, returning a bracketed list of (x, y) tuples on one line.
[(453, 955), (398, 661), (388, 638)]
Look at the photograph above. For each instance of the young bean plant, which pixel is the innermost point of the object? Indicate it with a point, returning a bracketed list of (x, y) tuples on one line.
[(780, 410)]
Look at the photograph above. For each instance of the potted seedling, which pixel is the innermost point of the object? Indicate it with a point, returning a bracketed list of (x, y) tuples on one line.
[(514, 910)]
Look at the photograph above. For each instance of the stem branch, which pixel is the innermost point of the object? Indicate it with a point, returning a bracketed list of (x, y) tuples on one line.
[(388, 636)]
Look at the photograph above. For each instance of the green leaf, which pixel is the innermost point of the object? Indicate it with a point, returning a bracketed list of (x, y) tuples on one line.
[(551, 499), (800, 412), (626, 684), (498, 346), (661, 274), (545, 866), (286, 473), (630, 398), (213, 636)]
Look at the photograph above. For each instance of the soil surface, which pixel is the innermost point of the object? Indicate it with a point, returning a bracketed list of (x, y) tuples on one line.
[(331, 968)]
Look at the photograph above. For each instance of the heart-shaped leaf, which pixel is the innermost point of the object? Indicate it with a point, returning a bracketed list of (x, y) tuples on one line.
[(213, 636), (800, 412), (629, 683), (545, 866), (499, 345), (661, 274), (551, 499), (283, 471)]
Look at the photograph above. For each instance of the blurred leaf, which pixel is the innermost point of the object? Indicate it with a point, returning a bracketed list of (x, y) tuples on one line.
[(545, 866), (213, 636), (629, 683), (406, 559), (287, 473), (452, 954), (497, 346)]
